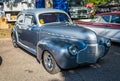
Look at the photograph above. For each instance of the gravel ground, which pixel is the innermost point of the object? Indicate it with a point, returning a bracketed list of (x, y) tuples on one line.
[(5, 33), (19, 65)]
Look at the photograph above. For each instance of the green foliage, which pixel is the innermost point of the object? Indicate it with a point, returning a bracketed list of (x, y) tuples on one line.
[(96, 2)]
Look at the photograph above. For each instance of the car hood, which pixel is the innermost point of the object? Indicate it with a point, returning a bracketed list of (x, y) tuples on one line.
[(70, 31)]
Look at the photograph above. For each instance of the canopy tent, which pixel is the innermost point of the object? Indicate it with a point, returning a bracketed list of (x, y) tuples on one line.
[(57, 4), (40, 4)]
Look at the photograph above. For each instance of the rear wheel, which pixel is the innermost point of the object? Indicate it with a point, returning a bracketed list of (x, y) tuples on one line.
[(49, 63), (14, 41)]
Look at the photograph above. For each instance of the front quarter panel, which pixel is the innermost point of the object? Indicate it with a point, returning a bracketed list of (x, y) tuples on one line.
[(59, 49)]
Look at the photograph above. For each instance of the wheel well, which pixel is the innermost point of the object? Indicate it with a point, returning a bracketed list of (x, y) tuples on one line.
[(55, 67), (52, 56), (43, 53), (40, 56), (11, 34)]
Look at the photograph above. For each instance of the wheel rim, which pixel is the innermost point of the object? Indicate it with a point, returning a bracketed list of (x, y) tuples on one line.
[(48, 62)]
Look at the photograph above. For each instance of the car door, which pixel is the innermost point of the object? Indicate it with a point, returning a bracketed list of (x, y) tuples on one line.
[(101, 25), (28, 32), (19, 25), (102, 21)]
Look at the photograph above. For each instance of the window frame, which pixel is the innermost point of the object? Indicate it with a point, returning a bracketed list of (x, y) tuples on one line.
[(22, 19)]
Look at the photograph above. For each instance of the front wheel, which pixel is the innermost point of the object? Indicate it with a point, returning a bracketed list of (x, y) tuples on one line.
[(49, 63), (14, 41)]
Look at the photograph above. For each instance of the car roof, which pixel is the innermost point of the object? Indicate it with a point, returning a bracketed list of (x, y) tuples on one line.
[(108, 13), (41, 10)]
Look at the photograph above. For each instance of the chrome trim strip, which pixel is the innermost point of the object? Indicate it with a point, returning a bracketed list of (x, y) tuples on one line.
[(31, 50)]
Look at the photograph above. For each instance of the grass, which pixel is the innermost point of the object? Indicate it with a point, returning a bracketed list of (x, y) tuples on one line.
[(5, 33)]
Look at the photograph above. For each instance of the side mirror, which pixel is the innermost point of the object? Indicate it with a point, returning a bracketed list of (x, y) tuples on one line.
[(34, 23)]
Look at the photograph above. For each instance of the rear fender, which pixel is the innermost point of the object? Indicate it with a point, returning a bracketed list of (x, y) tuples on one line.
[(14, 32)]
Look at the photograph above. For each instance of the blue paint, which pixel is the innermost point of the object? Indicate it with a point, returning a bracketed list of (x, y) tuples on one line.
[(57, 4), (40, 4)]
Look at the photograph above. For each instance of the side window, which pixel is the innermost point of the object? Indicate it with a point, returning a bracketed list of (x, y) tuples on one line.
[(20, 19), (29, 19), (115, 19), (106, 18)]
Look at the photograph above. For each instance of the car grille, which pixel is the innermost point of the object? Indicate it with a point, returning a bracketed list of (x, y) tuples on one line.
[(89, 55)]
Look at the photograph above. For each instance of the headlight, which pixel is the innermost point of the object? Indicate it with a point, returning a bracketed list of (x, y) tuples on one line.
[(73, 50), (108, 43)]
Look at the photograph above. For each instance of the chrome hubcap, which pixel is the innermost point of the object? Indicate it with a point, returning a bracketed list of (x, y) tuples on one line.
[(48, 62)]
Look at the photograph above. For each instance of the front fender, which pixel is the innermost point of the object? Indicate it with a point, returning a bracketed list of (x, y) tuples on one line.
[(59, 50), (54, 46)]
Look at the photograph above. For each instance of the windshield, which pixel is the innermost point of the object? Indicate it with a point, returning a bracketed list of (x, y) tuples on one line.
[(53, 17)]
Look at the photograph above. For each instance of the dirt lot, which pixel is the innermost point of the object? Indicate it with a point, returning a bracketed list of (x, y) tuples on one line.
[(19, 65), (5, 33)]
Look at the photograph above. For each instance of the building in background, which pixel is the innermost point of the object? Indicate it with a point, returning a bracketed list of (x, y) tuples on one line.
[(9, 10), (75, 8), (13, 7), (1, 9)]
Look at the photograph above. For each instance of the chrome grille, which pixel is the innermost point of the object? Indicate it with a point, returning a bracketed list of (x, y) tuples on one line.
[(93, 49), (88, 55)]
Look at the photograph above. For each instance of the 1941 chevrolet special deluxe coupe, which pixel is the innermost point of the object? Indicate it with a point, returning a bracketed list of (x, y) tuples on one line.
[(50, 35)]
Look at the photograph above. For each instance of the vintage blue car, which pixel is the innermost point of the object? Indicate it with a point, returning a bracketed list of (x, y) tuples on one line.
[(51, 36)]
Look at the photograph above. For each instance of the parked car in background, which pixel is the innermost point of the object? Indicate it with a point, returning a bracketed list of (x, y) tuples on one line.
[(104, 24), (51, 36), (77, 10)]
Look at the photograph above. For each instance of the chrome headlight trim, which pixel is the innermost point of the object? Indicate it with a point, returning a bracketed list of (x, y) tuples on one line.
[(73, 50), (108, 43)]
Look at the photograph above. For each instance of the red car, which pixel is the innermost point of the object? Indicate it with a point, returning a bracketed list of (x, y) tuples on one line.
[(104, 24)]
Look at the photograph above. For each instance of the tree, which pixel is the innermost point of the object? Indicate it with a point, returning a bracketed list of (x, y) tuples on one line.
[(97, 2)]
